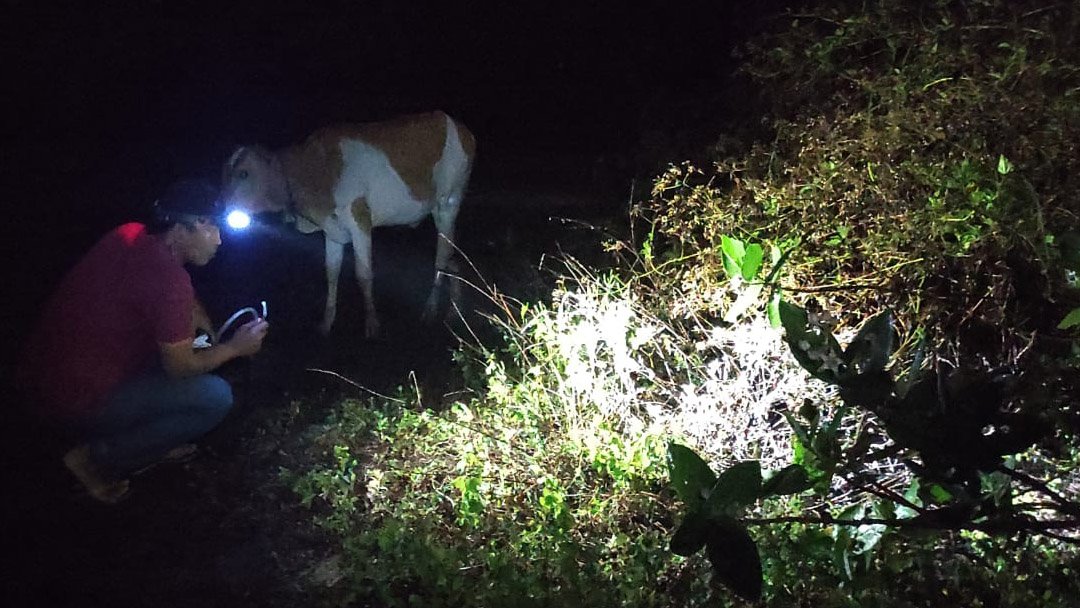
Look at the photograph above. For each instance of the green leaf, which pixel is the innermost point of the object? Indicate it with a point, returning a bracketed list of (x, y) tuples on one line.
[(849, 513), (690, 536), (914, 370), (736, 488), (939, 494), (735, 559), (1004, 167), (815, 348), (800, 432), (691, 476), (773, 309), (791, 479), (811, 414), (1071, 320), (871, 348), (752, 260), (732, 251), (833, 425), (1069, 247)]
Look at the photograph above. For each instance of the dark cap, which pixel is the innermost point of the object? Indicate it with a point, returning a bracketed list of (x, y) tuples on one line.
[(189, 198)]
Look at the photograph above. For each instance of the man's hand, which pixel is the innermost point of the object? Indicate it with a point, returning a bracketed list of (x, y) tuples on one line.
[(248, 338), (181, 360)]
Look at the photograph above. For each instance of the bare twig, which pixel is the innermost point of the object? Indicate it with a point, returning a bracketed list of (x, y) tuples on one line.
[(354, 383), (1064, 504), (926, 523)]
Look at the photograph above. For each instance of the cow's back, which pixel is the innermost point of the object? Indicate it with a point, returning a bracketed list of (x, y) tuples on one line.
[(391, 164)]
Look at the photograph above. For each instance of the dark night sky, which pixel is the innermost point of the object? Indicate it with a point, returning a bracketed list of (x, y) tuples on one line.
[(162, 88)]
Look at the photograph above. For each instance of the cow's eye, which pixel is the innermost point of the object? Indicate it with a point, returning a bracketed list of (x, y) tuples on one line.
[(241, 174)]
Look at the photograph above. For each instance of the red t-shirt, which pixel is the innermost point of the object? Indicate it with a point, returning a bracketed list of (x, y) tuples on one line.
[(103, 324)]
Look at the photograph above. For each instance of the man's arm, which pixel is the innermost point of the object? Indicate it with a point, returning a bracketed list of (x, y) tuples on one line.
[(200, 319), (181, 360)]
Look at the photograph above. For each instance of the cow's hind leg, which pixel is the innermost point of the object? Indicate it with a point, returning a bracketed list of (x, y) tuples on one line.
[(360, 232), (335, 252)]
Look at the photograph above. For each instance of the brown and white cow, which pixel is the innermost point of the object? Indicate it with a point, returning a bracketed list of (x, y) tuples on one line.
[(347, 179)]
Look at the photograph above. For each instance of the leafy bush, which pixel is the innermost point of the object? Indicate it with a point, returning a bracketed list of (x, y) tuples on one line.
[(963, 448), (922, 159)]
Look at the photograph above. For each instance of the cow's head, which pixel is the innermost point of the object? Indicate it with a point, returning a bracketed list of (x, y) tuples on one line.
[(253, 180)]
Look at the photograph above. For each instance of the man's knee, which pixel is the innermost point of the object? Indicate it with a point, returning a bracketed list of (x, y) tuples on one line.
[(215, 394)]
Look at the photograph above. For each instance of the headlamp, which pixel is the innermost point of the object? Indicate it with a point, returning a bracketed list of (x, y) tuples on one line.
[(237, 219)]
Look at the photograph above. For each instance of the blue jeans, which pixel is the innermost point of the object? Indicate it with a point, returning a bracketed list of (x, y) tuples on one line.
[(146, 417)]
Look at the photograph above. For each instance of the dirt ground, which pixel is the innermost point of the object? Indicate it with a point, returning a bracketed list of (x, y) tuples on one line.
[(223, 530)]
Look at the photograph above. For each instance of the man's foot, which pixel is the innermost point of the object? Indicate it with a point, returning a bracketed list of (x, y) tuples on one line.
[(78, 461)]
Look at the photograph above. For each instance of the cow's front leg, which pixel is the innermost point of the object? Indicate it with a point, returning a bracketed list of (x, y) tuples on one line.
[(444, 216), (335, 252)]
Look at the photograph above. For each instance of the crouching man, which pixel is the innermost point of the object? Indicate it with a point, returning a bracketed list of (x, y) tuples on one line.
[(112, 358)]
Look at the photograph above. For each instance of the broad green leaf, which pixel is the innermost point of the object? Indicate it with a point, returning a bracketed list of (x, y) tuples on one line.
[(732, 251), (871, 348), (866, 537), (884, 509), (814, 347), (939, 494), (794, 319), (791, 479), (751, 262), (736, 488), (911, 494), (690, 536), (735, 559), (850, 513), (1071, 320), (691, 476)]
